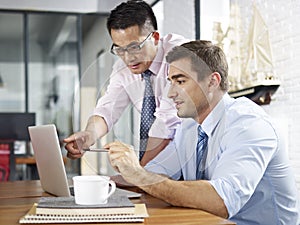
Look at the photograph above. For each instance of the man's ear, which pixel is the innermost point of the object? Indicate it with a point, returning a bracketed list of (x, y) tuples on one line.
[(215, 80), (156, 37)]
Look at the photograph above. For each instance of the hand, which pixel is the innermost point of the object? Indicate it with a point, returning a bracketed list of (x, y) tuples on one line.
[(78, 141), (124, 160), (120, 181)]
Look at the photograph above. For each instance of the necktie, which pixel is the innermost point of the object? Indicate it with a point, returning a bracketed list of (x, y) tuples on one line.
[(201, 148), (147, 113)]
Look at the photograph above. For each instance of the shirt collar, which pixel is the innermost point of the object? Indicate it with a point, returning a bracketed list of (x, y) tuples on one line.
[(158, 60), (213, 118)]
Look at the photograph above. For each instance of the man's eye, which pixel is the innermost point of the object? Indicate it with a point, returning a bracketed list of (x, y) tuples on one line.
[(134, 48), (119, 50), (180, 81)]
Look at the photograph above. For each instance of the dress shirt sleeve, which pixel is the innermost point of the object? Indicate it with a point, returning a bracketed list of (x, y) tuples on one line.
[(166, 163), (112, 104), (246, 150)]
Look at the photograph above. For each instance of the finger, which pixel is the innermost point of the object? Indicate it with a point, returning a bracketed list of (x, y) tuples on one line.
[(69, 139), (73, 149), (112, 144), (74, 156), (117, 154), (113, 164), (79, 141), (119, 146), (70, 147)]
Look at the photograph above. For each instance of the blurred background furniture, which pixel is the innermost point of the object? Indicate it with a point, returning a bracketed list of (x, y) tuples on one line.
[(7, 160), (13, 128)]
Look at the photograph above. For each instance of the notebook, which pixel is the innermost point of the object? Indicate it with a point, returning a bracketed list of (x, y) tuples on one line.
[(140, 212), (67, 206), (50, 165)]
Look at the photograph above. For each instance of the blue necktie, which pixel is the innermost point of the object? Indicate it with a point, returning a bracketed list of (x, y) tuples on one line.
[(147, 113), (201, 148)]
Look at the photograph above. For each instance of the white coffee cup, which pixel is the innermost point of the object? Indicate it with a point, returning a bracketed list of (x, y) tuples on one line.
[(92, 190)]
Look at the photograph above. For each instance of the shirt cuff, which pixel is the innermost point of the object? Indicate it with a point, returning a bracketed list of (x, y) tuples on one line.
[(230, 197)]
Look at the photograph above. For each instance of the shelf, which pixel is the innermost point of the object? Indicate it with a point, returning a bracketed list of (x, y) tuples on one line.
[(260, 94)]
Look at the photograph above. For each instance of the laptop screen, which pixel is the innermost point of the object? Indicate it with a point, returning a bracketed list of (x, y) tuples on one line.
[(49, 159)]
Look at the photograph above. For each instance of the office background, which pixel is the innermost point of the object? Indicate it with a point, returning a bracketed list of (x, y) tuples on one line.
[(55, 61)]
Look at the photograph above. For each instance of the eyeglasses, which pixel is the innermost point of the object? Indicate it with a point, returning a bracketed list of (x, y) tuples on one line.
[(131, 49)]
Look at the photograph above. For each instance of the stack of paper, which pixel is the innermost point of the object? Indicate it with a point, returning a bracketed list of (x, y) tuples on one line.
[(65, 210)]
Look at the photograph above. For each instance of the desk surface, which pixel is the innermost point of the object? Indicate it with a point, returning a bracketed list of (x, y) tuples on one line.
[(17, 197), (30, 160)]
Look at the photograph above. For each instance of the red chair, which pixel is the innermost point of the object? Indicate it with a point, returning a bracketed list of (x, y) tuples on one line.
[(7, 161)]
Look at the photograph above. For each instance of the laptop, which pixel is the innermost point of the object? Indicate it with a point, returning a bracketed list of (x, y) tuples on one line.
[(50, 165)]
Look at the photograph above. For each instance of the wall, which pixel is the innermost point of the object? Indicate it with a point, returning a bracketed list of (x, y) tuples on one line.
[(283, 20), (179, 17), (95, 40), (12, 93)]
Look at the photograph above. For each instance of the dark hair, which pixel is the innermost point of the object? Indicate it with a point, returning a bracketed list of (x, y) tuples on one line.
[(205, 58), (131, 13)]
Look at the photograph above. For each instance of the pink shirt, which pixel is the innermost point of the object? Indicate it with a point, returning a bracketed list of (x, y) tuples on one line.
[(125, 88)]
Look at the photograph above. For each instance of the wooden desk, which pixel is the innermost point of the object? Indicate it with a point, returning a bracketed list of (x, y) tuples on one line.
[(30, 160), (17, 197), (31, 172)]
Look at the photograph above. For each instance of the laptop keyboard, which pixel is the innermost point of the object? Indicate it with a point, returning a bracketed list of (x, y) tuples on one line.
[(71, 190)]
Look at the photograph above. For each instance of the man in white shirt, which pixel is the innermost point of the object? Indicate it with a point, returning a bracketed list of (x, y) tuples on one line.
[(243, 172), (133, 28)]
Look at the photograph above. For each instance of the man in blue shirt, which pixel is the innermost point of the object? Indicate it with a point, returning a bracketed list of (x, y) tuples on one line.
[(239, 170)]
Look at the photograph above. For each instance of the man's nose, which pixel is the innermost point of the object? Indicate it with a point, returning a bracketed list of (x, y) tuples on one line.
[(127, 57), (172, 92)]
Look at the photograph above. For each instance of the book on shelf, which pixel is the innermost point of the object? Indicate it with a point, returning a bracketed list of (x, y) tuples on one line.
[(140, 212), (67, 206)]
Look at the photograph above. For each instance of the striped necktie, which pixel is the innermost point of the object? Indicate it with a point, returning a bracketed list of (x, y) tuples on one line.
[(147, 113), (201, 148)]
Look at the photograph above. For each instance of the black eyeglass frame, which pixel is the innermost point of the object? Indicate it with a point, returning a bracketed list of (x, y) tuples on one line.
[(133, 49)]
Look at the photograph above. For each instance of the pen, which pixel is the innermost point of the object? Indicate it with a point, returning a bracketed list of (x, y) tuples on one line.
[(95, 150)]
